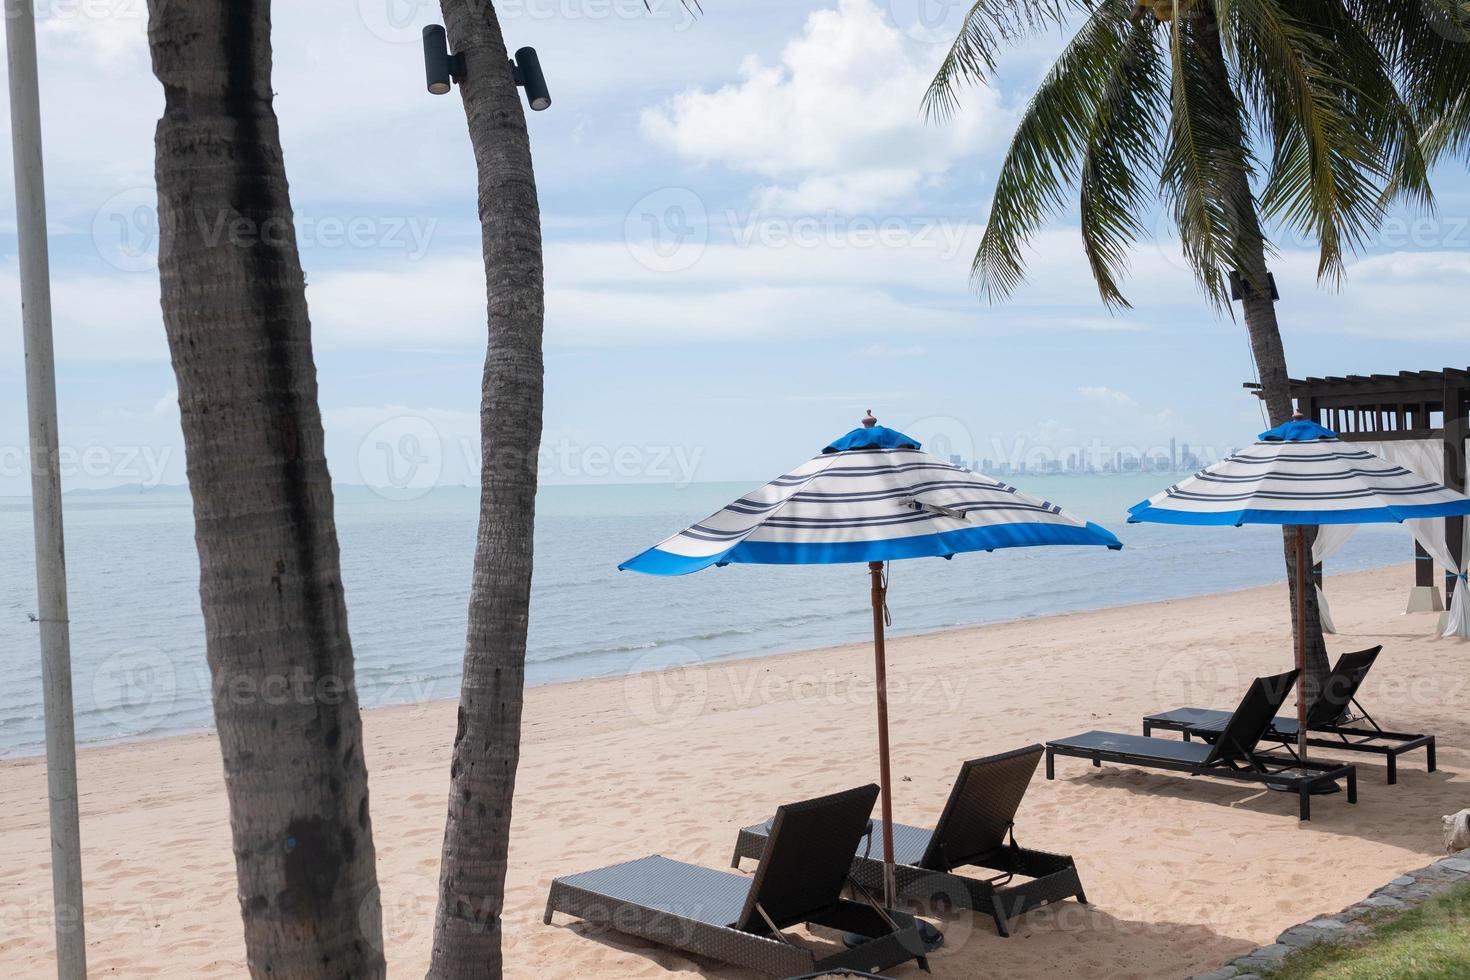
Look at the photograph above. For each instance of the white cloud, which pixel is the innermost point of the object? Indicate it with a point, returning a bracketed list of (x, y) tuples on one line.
[(1106, 395), (836, 123)]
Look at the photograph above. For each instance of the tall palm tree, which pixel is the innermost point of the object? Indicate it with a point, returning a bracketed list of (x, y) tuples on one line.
[(467, 928), (1230, 113), (234, 310)]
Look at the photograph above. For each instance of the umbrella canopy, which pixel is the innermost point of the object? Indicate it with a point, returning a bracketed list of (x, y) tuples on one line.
[(872, 495), (1301, 474)]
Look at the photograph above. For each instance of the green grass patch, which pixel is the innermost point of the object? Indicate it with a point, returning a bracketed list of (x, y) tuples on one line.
[(1428, 942)]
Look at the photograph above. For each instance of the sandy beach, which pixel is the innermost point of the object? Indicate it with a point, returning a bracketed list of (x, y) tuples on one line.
[(1182, 873)]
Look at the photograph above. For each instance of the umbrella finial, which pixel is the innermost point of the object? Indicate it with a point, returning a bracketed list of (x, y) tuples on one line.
[(869, 420)]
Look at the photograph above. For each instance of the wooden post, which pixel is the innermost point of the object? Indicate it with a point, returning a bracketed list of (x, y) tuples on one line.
[(1423, 567), (885, 780)]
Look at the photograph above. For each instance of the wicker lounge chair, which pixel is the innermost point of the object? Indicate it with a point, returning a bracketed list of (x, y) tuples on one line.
[(974, 831), (1232, 755), (739, 920), (1325, 719)]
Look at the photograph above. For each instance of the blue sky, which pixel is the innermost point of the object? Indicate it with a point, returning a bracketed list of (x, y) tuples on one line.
[(752, 236)]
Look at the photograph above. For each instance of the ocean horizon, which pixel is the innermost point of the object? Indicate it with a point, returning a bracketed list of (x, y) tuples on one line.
[(138, 641)]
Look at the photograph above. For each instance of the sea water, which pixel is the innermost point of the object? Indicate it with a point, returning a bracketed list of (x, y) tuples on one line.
[(138, 637)]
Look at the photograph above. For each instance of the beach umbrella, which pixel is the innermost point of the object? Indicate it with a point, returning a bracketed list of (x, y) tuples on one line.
[(872, 496), (1300, 474)]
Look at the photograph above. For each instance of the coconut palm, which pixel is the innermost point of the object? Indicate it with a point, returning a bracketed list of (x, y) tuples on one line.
[(467, 928), (1228, 114), (270, 582)]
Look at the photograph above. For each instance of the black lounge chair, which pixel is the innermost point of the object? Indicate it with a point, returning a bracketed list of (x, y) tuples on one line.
[(1232, 755), (976, 830), (1325, 716), (739, 920)]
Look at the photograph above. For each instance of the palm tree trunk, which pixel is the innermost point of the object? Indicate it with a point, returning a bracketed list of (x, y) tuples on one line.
[(234, 309), (1259, 311), (467, 928)]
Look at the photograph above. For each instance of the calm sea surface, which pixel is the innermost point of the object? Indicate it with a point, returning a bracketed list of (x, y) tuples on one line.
[(137, 634)]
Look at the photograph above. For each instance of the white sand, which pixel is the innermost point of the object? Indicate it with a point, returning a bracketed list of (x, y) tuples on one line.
[(1182, 873)]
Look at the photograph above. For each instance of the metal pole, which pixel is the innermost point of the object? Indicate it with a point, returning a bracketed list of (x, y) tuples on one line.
[(1302, 584), (35, 301), (875, 570)]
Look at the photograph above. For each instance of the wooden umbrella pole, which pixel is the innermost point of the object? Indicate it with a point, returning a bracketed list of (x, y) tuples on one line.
[(1301, 639), (875, 570)]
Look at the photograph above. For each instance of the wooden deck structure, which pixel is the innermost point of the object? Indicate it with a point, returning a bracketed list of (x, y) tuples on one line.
[(1388, 407)]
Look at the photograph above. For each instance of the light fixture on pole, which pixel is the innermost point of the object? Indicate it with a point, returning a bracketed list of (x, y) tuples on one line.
[(528, 75), (440, 67), (442, 70)]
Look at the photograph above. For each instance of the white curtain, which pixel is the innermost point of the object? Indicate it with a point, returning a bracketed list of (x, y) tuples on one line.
[(1330, 537), (1425, 457)]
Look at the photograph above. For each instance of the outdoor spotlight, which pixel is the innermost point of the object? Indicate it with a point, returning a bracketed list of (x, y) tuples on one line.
[(1240, 288), (527, 70), (440, 67)]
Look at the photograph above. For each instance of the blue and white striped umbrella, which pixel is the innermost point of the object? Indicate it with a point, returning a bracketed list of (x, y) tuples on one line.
[(872, 495), (1300, 473)]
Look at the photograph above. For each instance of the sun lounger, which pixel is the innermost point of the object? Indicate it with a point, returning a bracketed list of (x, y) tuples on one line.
[(974, 831), (1326, 727), (740, 920), (1232, 755)]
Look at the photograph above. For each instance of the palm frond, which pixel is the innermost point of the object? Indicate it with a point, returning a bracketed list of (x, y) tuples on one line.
[(1207, 164), (1043, 158), (988, 26), (1122, 149), (1325, 98)]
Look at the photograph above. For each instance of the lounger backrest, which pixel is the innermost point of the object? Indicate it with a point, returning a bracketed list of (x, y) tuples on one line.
[(807, 858), (1341, 687), (981, 808), (1251, 720)]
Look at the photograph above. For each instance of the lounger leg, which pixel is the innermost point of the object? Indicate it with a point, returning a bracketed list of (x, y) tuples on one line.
[(1393, 768), (1186, 735), (735, 858), (1051, 764), (546, 918), (1148, 729), (1096, 761), (998, 913), (1429, 747)]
